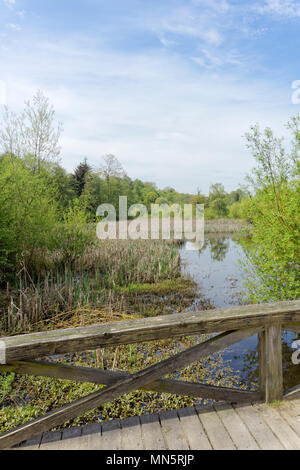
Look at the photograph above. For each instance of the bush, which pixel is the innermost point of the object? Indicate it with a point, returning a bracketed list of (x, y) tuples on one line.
[(27, 213)]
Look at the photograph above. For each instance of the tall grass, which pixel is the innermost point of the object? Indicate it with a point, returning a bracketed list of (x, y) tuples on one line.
[(89, 281)]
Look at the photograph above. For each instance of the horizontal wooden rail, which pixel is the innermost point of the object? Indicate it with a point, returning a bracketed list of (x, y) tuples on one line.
[(109, 377), (235, 324), (37, 345)]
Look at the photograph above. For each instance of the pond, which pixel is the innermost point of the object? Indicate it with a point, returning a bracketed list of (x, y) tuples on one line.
[(219, 275)]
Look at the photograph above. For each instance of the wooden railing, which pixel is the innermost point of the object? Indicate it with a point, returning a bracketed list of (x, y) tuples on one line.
[(232, 325)]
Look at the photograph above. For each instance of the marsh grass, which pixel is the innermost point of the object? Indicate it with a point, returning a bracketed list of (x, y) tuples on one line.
[(225, 226), (92, 280)]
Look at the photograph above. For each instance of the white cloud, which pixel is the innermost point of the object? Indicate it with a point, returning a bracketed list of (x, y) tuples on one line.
[(13, 26), (288, 8), (9, 3)]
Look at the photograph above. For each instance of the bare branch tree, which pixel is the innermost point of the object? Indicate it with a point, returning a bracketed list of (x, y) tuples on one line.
[(33, 132), (111, 167)]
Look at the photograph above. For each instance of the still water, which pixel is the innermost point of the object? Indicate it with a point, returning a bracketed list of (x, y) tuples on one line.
[(219, 275)]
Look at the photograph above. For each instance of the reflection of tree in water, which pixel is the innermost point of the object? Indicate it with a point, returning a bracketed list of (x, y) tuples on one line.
[(219, 248), (291, 372)]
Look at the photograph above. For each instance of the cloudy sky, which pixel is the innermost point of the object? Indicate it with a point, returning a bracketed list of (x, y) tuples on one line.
[(168, 86)]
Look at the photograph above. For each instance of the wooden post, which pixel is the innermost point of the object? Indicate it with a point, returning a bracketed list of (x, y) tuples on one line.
[(270, 363)]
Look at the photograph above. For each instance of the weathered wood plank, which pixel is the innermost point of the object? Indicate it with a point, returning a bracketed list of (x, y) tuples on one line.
[(258, 428), (215, 430), (279, 426), (131, 434), (71, 439), (31, 444), (146, 376), (292, 393), (236, 428), (290, 415), (106, 377), (173, 431), (111, 435), (91, 437), (193, 429), (50, 440), (294, 327), (37, 345), (152, 434), (270, 363)]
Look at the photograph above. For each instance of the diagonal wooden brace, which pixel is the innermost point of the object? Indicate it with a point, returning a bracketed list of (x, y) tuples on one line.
[(109, 377), (138, 380)]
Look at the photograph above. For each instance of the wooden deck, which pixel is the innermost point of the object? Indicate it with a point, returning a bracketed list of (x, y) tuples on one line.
[(219, 427)]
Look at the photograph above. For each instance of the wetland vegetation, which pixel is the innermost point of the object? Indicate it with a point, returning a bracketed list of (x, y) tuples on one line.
[(55, 273)]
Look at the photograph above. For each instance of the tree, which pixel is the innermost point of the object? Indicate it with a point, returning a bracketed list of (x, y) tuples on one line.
[(273, 210), (32, 134), (216, 190), (111, 167), (80, 177)]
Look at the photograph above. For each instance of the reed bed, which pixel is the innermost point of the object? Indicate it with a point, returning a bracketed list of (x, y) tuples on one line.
[(224, 225), (91, 280)]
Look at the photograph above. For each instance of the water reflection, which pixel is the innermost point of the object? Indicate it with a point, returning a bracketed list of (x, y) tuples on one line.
[(215, 268), (218, 248), (219, 275)]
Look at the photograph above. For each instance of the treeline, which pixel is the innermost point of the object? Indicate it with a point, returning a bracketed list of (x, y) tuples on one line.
[(104, 185), (45, 208)]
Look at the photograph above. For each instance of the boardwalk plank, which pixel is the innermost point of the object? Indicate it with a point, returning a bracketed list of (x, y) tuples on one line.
[(50, 440), (193, 429), (279, 426), (215, 430), (71, 439), (131, 434), (91, 437), (220, 427), (152, 434), (111, 435), (236, 427), (291, 416), (173, 430), (32, 444), (258, 428)]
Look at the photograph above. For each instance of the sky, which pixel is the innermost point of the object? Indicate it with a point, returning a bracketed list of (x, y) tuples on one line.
[(168, 86)]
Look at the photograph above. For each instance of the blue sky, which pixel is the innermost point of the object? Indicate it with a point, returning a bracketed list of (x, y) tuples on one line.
[(168, 86)]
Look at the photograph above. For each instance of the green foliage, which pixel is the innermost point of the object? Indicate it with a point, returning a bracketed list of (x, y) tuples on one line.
[(72, 236), (273, 210), (6, 384), (80, 176), (28, 211)]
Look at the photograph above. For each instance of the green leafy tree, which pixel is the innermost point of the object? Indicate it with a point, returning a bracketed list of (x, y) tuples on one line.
[(273, 210)]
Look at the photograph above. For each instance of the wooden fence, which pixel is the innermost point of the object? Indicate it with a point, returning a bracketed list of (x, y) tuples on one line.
[(232, 325)]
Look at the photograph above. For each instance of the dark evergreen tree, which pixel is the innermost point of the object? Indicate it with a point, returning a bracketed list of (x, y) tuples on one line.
[(80, 176)]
